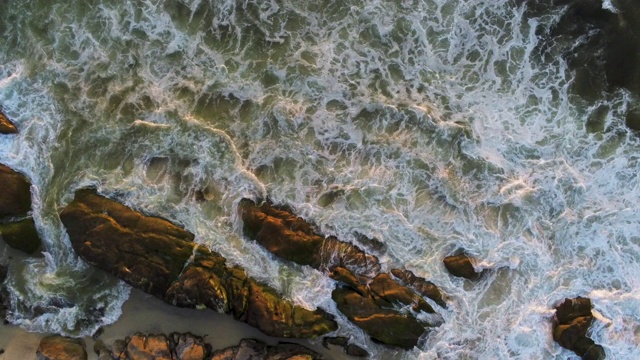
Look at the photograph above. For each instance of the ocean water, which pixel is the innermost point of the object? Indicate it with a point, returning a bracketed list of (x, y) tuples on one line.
[(431, 125)]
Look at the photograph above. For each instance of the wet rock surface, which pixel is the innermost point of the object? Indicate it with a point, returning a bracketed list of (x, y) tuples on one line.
[(570, 325), (17, 228), (377, 303), (155, 256), (292, 238), (349, 349), (421, 286), (6, 126), (61, 348), (461, 265), (375, 308)]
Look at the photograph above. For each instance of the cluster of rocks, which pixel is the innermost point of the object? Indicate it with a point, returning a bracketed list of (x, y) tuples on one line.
[(160, 258), (176, 346), (380, 304)]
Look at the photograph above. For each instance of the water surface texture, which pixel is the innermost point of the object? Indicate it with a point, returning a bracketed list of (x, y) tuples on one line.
[(430, 125)]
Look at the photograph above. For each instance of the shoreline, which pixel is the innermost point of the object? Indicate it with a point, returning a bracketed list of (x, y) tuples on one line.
[(147, 314)]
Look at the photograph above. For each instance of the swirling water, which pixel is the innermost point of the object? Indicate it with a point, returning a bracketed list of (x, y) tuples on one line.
[(430, 125)]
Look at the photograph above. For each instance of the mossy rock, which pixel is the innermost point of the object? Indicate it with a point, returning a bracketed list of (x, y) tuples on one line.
[(21, 235)]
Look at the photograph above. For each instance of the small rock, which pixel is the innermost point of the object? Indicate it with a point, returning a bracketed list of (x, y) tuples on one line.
[(61, 348), (461, 265), (6, 126)]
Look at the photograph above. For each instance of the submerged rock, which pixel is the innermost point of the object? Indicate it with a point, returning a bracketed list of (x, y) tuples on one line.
[(17, 228), (292, 238), (422, 286), (570, 325), (350, 349), (61, 348), (16, 193), (160, 258), (6, 126), (254, 349), (461, 265), (21, 235)]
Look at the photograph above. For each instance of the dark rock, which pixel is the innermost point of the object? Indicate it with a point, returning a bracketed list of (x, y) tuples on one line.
[(461, 265), (570, 325), (374, 308), (6, 126), (103, 351), (21, 235), (343, 342), (420, 285), (292, 238), (356, 351), (158, 257), (16, 193), (254, 349), (61, 348), (383, 325)]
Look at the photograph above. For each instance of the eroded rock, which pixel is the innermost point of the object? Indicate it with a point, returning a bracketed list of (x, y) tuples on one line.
[(380, 309), (292, 238), (343, 342), (420, 285), (570, 325), (461, 265), (160, 258), (61, 348)]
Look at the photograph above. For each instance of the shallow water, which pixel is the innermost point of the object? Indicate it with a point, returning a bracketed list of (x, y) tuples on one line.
[(430, 125)]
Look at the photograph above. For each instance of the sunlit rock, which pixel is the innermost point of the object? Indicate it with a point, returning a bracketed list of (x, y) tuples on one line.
[(160, 258)]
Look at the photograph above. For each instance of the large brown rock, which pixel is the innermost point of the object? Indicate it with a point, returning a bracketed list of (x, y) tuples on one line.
[(158, 257), (292, 238), (6, 126), (16, 193), (253, 349), (61, 348), (421, 286), (461, 265), (570, 325)]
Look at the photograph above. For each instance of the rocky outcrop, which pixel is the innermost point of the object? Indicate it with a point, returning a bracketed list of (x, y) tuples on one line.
[(254, 349), (6, 126), (160, 258), (292, 238), (461, 265), (385, 309), (421, 286), (17, 228), (570, 325), (61, 348), (176, 346)]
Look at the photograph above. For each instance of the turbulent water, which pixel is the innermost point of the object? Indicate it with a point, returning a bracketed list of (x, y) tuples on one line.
[(431, 125)]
